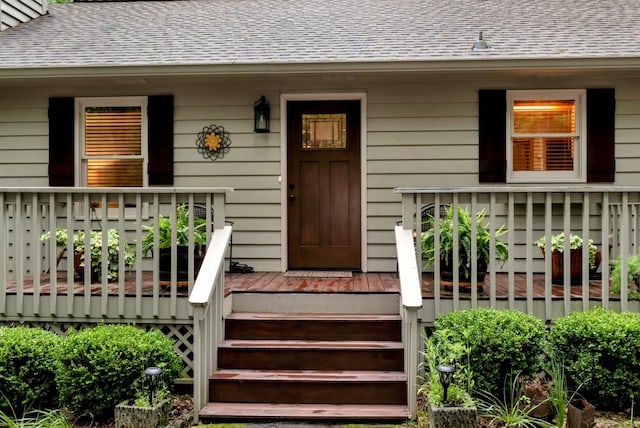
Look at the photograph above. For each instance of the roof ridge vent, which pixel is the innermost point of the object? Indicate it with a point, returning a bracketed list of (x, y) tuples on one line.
[(480, 44)]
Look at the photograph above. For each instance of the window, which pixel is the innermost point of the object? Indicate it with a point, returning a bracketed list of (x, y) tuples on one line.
[(112, 145), (546, 136), (64, 144)]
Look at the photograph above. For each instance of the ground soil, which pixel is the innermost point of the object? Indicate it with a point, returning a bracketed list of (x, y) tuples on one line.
[(182, 409)]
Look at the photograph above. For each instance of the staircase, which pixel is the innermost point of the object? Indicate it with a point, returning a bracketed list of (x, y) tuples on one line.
[(309, 367)]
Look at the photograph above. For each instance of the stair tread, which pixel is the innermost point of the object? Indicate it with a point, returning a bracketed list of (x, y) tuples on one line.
[(262, 316), (305, 411), (310, 344), (326, 376)]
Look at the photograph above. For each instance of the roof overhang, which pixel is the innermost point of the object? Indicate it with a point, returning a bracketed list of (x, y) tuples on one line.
[(486, 64)]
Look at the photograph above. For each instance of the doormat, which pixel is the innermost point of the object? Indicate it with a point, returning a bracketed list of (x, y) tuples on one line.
[(318, 274)]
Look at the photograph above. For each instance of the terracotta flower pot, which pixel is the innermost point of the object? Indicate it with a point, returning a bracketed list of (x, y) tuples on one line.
[(557, 266)]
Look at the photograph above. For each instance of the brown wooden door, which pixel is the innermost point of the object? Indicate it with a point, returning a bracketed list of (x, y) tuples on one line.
[(323, 186)]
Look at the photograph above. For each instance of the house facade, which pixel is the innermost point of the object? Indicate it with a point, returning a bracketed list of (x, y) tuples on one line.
[(364, 98)]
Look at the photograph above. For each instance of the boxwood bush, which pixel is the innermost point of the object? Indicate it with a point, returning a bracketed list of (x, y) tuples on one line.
[(27, 369), (601, 354), (102, 366), (500, 342)]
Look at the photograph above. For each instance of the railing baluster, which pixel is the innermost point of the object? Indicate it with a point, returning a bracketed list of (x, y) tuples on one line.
[(566, 256), (606, 256), (624, 252), (492, 250), (35, 252), (86, 207), (104, 286), (529, 250), (53, 256), (156, 262), (548, 285), (474, 251), (586, 201), (122, 259), (436, 254), (511, 245), (19, 263), (69, 251), (4, 254), (174, 254), (456, 255)]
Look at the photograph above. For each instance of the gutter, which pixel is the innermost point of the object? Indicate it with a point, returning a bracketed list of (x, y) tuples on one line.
[(364, 67)]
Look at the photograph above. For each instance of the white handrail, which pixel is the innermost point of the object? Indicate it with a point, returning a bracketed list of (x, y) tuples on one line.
[(206, 299), (411, 296)]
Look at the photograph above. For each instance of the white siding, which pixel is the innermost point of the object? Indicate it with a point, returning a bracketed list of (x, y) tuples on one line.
[(14, 12), (420, 133)]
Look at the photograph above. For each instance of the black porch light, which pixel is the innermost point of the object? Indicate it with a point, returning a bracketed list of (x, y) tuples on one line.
[(153, 379), (445, 372), (261, 115)]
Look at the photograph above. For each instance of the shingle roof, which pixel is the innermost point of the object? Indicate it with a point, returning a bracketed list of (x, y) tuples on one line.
[(213, 32)]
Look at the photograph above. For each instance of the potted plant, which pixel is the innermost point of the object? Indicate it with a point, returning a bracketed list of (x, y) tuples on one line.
[(633, 273), (483, 240), (557, 258), (199, 236), (113, 248)]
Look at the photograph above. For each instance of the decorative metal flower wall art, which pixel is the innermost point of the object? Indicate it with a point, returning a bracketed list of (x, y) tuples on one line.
[(213, 142)]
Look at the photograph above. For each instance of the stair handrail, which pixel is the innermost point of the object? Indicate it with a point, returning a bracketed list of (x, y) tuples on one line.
[(411, 297), (207, 298)]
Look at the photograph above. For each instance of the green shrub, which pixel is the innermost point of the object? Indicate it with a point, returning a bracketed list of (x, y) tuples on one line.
[(500, 343), (102, 366), (27, 369), (601, 352)]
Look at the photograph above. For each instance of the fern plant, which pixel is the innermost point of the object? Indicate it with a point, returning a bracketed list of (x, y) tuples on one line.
[(464, 237)]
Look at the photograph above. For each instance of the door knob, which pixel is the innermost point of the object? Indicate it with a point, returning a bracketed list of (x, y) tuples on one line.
[(292, 196)]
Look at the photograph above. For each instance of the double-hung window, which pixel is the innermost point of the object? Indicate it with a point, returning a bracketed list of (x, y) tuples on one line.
[(546, 136), (112, 135)]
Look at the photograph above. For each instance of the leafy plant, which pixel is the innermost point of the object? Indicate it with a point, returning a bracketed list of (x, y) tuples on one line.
[(600, 349), (95, 249), (499, 342), (633, 273), (514, 410), (103, 366), (27, 374), (558, 391), (465, 224), (575, 243), (182, 231), (454, 354), (36, 419)]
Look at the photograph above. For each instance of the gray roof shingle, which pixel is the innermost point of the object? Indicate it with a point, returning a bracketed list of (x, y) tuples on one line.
[(217, 32)]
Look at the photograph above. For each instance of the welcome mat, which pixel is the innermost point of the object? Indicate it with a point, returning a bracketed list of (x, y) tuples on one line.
[(318, 274)]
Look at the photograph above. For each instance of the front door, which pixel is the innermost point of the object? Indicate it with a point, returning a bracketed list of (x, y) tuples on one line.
[(323, 189)]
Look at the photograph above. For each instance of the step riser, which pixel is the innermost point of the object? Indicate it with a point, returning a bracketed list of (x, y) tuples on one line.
[(307, 392), (312, 330), (300, 359)]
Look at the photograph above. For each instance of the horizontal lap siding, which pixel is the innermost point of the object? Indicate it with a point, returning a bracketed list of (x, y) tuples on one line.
[(418, 134)]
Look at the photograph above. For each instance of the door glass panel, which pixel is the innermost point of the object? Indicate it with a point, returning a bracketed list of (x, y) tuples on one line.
[(324, 131)]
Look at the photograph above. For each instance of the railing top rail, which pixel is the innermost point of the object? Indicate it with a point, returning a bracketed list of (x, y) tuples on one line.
[(573, 188), (212, 266), (116, 190), (410, 287)]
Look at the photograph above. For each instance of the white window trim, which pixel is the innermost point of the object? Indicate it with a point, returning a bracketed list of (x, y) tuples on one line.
[(579, 174), (80, 175)]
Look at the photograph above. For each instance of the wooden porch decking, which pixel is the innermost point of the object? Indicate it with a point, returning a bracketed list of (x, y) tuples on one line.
[(276, 282)]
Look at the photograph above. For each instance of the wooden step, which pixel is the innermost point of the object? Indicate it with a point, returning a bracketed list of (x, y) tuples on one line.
[(279, 326), (310, 355), (304, 412), (308, 386)]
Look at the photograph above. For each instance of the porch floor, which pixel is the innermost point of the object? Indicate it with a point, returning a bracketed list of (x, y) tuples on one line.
[(276, 282)]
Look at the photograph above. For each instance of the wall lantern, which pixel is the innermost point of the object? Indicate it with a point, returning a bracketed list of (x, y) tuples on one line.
[(261, 115), (445, 373), (153, 380)]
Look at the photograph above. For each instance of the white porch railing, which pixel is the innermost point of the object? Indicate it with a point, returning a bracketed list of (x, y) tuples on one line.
[(411, 302), (207, 299), (608, 215), (36, 280)]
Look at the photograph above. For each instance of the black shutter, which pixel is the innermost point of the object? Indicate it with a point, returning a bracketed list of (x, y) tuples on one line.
[(61, 141), (492, 132), (601, 118), (160, 145)]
